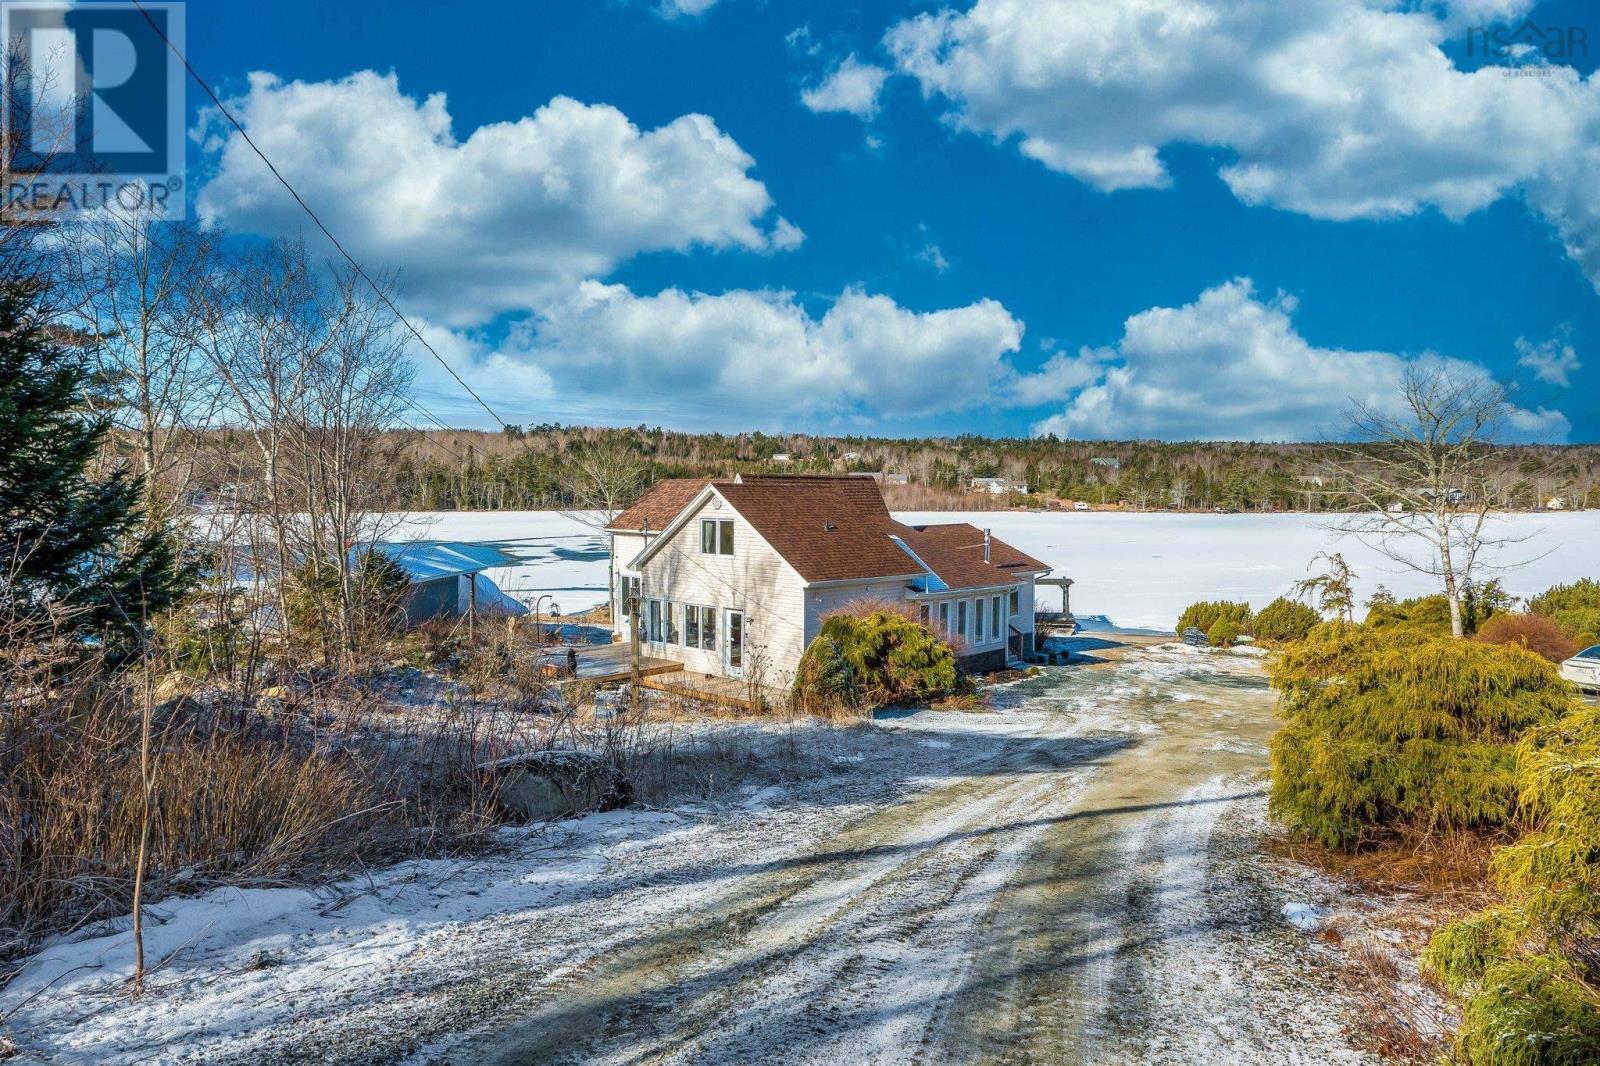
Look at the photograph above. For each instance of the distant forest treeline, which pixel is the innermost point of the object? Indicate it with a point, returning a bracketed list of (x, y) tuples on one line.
[(528, 468)]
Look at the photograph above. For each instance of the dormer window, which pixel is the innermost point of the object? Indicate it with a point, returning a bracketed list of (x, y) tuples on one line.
[(716, 536)]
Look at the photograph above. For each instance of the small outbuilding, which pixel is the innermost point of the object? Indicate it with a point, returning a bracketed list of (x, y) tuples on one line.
[(447, 579)]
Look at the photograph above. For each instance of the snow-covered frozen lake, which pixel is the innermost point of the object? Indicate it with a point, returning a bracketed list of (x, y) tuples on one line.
[(1137, 569)]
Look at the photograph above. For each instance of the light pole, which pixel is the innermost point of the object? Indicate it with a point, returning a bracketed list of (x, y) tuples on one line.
[(555, 612)]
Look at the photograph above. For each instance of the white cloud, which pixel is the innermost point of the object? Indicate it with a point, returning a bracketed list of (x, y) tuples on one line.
[(759, 357), (852, 87), (680, 8), (1338, 109), (1551, 361), (503, 220), (1231, 366)]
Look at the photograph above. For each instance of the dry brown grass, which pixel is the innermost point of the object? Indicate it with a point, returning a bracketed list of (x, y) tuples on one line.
[(1440, 865), (1426, 880)]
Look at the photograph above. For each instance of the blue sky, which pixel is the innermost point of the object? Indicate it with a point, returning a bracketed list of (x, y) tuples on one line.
[(1215, 220)]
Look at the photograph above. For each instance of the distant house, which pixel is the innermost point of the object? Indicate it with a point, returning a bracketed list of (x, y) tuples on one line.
[(1108, 462), (1556, 503), (447, 579), (897, 479), (780, 457), (732, 575), (998, 486), (851, 457)]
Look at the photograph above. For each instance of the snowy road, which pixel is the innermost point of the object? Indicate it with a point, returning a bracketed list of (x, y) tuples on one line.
[(1085, 895), (1075, 878)]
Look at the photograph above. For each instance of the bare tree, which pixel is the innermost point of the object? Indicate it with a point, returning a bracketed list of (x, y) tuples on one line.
[(602, 479), (139, 287), (357, 389), (314, 374), (1423, 478)]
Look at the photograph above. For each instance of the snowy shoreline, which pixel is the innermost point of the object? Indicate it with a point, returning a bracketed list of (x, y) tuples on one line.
[(1139, 569)]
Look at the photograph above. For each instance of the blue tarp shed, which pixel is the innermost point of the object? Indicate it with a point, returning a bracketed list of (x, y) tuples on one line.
[(447, 578)]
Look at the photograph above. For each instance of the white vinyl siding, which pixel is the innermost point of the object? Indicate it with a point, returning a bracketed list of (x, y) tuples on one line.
[(754, 580)]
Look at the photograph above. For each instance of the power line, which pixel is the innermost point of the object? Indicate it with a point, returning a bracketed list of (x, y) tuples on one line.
[(360, 271)]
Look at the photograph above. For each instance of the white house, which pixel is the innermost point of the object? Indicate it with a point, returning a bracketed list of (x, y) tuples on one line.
[(998, 486), (732, 575)]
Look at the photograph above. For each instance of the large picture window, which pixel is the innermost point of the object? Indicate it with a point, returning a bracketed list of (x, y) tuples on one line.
[(994, 615), (705, 633), (691, 626), (977, 620), (961, 619), (944, 619), (653, 620)]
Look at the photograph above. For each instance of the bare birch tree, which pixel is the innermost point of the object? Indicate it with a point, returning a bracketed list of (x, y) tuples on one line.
[(602, 480), (1423, 477), (138, 286)]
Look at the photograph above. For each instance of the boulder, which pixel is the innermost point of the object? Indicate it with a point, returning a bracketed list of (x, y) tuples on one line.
[(540, 786)]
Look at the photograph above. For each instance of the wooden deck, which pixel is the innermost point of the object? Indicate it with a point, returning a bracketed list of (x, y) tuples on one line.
[(721, 691), (605, 664)]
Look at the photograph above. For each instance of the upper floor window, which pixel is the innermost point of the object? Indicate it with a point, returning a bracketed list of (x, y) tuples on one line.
[(716, 536)]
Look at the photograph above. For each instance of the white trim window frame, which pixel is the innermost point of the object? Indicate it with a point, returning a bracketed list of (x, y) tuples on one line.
[(708, 627), (995, 616), (716, 536), (961, 619), (977, 622), (652, 616)]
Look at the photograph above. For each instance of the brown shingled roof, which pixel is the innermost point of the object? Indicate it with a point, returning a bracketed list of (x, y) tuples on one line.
[(827, 528), (968, 539), (832, 528), (660, 504)]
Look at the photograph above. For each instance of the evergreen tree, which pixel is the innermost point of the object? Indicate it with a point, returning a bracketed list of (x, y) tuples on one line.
[(69, 543)]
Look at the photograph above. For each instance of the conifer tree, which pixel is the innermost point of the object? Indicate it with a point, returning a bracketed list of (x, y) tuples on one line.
[(72, 545)]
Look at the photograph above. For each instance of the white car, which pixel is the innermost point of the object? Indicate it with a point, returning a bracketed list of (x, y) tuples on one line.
[(1583, 669)]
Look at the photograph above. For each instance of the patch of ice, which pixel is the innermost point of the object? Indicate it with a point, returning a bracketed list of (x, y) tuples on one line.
[(1304, 916)]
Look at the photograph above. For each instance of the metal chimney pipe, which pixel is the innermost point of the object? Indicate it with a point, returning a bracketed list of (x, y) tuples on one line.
[(986, 545)]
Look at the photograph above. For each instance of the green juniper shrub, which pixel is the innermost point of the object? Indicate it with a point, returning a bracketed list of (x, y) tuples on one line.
[(1207, 613), (1224, 633), (1431, 614), (876, 661), (1423, 614), (1528, 964), (1284, 620), (1531, 1012), (1460, 953), (1575, 608), (1388, 730)]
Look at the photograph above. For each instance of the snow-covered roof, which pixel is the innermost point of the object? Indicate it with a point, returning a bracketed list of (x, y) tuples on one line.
[(431, 560)]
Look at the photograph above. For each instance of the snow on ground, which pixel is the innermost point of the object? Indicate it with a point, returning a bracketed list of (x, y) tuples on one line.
[(1137, 569), (887, 892)]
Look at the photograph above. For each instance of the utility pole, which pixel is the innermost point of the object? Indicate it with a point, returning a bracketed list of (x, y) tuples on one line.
[(633, 619)]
